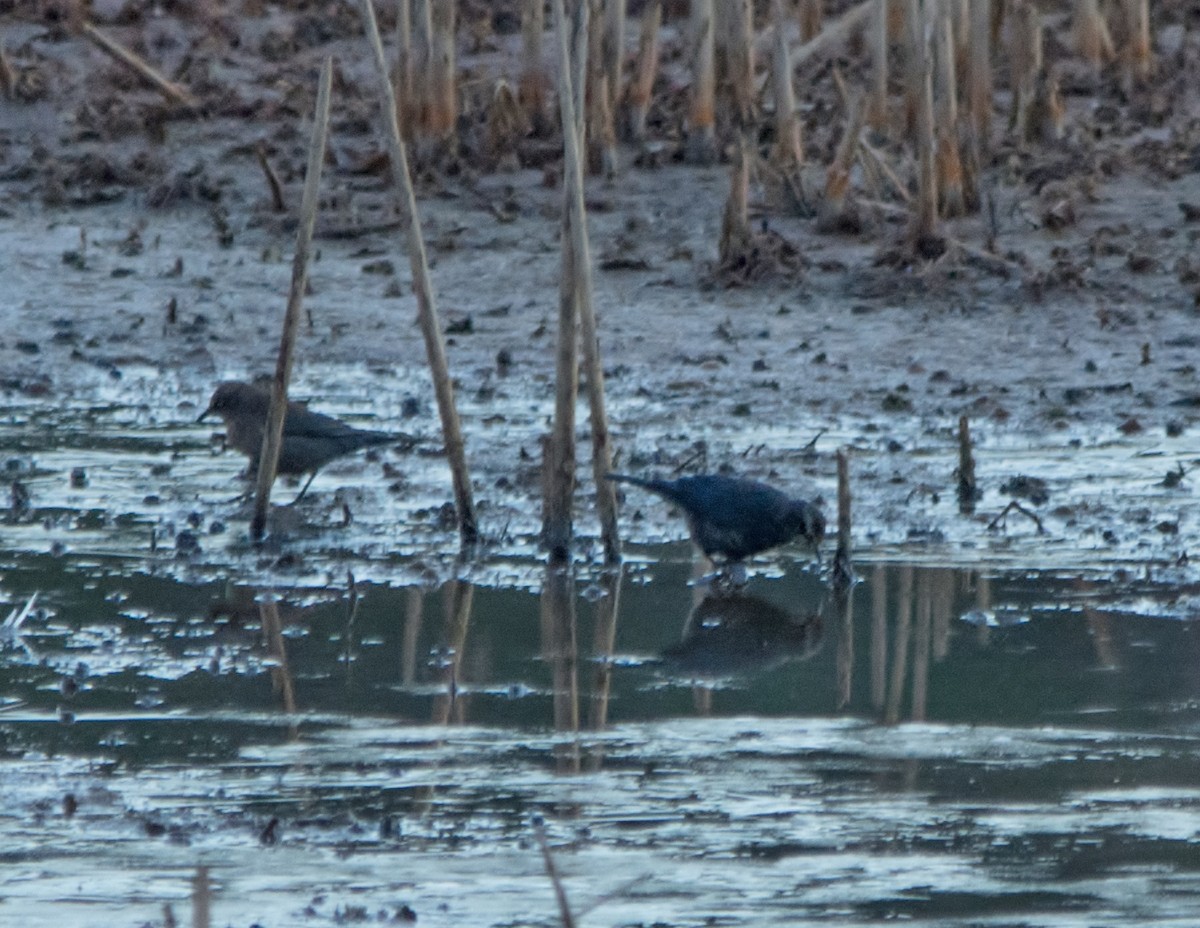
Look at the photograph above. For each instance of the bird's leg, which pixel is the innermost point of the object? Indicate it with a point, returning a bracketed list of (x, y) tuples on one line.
[(304, 490)]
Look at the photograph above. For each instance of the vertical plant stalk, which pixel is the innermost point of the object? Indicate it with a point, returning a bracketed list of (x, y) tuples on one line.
[(427, 314), (443, 77), (812, 19), (701, 145), (1025, 63), (979, 76), (787, 154), (734, 59), (949, 160), (606, 494), (404, 67), (534, 82), (900, 647), (878, 114), (878, 649), (613, 52), (924, 221), (968, 491), (843, 568), (608, 607), (560, 892), (735, 223), (420, 68), (1093, 41), (1139, 60), (835, 207), (601, 134), (457, 597), (560, 646), (645, 70), (268, 459)]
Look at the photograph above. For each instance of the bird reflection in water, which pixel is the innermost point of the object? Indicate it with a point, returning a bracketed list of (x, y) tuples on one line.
[(730, 634)]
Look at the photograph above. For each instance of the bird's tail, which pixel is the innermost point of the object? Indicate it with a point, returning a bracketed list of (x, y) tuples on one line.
[(654, 486)]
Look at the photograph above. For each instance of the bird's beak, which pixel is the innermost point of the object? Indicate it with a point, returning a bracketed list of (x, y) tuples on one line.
[(202, 415)]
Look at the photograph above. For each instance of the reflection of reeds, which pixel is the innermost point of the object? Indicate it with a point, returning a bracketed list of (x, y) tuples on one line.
[(457, 597), (560, 651), (879, 636), (281, 675), (900, 652), (843, 570), (603, 642)]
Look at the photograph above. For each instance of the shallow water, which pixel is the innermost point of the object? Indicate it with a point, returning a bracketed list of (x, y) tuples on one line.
[(965, 748)]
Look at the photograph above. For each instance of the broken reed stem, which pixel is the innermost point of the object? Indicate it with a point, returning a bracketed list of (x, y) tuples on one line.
[(735, 223), (1025, 57), (843, 569), (534, 82), (949, 160), (8, 77), (640, 87), (404, 67), (601, 133), (612, 53), (1139, 61), (1093, 41), (968, 491), (979, 74), (576, 216), (701, 147), (734, 58), (788, 151), (812, 18), (268, 459), (114, 49), (924, 218), (878, 114), (427, 314), (260, 152), (834, 204), (539, 831), (441, 112)]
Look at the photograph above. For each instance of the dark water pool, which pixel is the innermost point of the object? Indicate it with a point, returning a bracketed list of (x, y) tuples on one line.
[(950, 747)]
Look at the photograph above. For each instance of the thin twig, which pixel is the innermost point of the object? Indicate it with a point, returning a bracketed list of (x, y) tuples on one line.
[(119, 52), (560, 891)]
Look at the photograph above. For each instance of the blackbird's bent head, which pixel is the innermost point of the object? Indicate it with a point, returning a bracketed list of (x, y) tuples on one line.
[(807, 521), (232, 398)]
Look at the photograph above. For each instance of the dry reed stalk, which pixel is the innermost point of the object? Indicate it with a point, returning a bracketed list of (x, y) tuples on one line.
[(812, 19), (787, 154), (843, 569), (878, 113), (560, 892), (916, 49), (115, 50), (404, 67), (900, 647), (268, 459), (968, 491), (427, 314), (1025, 64), (559, 456), (560, 647), (507, 121), (844, 598), (701, 145), (979, 75), (604, 640), (949, 160), (838, 31), (1137, 55), (281, 674), (457, 598), (606, 491), (8, 77), (613, 49), (734, 58), (534, 81), (260, 152), (869, 153), (637, 97), (201, 899), (601, 132), (1089, 30), (441, 113), (735, 223), (836, 211), (923, 228)]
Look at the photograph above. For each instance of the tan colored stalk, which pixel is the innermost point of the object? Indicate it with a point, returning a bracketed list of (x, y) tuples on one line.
[(115, 50), (1138, 57), (646, 69), (535, 82), (613, 51), (1093, 41), (427, 315), (835, 204), (787, 154), (404, 67), (701, 122), (812, 19), (442, 113), (949, 161), (979, 75), (878, 112), (923, 227), (843, 569), (1025, 63), (734, 56), (268, 459), (735, 223), (601, 132)]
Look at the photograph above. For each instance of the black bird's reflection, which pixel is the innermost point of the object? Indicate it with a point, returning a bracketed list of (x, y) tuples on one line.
[(732, 634)]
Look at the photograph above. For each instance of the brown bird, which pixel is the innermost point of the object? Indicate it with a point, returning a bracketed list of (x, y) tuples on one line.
[(310, 440)]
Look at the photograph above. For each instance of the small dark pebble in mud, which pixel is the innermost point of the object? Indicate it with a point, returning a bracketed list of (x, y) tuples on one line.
[(79, 478), (186, 543), (70, 805)]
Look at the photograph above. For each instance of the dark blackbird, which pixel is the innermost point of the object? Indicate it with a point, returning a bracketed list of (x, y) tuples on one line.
[(734, 518), (310, 440)]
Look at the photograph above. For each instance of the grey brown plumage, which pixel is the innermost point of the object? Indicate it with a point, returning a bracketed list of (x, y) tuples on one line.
[(310, 440), (735, 518)]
